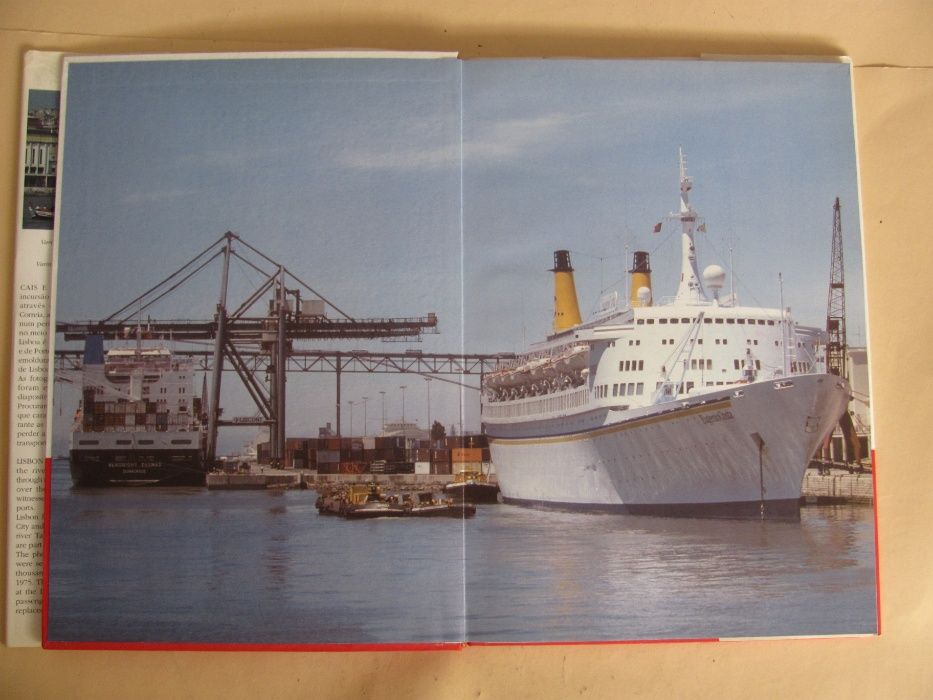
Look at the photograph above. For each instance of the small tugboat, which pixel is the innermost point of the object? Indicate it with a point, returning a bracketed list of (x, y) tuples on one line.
[(427, 506), (376, 505), (473, 487)]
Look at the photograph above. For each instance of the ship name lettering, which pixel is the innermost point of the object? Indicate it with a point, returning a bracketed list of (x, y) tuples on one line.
[(717, 417)]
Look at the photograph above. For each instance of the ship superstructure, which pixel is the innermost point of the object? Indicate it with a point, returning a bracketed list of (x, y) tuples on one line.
[(695, 405), (139, 422)]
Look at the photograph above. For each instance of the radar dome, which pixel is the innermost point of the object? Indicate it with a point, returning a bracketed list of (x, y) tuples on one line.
[(714, 277), (644, 296)]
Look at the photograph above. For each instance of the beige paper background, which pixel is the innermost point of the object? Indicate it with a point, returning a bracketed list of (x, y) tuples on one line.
[(891, 45)]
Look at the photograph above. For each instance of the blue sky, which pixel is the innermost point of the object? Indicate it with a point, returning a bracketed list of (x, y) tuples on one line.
[(349, 171)]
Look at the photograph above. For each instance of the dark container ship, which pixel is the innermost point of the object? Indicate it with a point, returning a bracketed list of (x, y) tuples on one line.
[(139, 423)]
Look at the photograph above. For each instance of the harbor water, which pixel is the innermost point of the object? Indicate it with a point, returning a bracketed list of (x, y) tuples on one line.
[(188, 565)]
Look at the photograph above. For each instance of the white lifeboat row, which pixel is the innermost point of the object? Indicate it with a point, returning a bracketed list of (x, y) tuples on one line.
[(539, 376)]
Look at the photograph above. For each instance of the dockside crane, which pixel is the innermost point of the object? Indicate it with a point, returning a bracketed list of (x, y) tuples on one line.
[(836, 344), (836, 304), (245, 330)]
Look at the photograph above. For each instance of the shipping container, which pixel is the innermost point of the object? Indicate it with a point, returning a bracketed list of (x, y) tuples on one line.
[(466, 454), (441, 468)]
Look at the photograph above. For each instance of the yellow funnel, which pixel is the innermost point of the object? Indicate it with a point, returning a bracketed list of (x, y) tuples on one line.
[(566, 310), (641, 279)]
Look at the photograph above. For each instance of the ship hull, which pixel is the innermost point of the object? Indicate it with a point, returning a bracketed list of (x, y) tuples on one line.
[(738, 452), (101, 468), (472, 492), (137, 459)]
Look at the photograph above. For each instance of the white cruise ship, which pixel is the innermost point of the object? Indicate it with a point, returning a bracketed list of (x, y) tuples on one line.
[(697, 406)]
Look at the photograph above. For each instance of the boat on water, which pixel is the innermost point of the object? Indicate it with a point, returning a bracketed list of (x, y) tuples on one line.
[(695, 406), (472, 486), (361, 502), (40, 212), (139, 423)]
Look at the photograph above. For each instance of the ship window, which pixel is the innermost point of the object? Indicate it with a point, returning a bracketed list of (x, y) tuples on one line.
[(757, 364), (719, 320), (650, 321), (641, 364), (689, 386), (615, 389), (124, 442), (736, 364), (640, 388), (88, 442), (628, 365), (638, 342), (693, 364), (725, 341), (709, 364), (145, 442), (730, 320), (640, 321), (685, 320), (662, 320), (761, 322), (631, 389), (741, 321), (707, 320), (181, 442), (770, 323), (621, 364), (675, 320), (663, 341)]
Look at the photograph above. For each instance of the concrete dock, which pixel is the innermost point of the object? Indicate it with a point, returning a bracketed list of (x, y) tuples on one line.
[(262, 477), (837, 486), (256, 478)]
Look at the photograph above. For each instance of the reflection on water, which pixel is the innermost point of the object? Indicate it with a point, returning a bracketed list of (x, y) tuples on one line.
[(191, 565)]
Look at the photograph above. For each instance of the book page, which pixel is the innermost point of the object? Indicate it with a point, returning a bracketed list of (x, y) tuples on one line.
[(40, 108), (673, 389), (313, 203)]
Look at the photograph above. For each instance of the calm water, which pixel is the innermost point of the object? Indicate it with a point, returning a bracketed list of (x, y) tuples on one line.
[(191, 565)]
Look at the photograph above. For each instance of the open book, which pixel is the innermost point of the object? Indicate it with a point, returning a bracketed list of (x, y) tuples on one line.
[(310, 309)]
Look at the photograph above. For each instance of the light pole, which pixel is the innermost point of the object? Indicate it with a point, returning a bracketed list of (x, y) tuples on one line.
[(402, 387), (383, 412), (427, 381), (365, 426), (351, 417)]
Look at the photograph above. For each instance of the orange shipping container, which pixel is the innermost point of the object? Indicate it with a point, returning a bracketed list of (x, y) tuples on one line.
[(466, 454)]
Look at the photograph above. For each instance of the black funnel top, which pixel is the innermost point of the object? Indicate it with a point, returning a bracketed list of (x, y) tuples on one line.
[(562, 261), (640, 264)]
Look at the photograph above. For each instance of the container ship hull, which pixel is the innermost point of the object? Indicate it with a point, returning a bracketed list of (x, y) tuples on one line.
[(139, 423), (134, 464), (736, 452)]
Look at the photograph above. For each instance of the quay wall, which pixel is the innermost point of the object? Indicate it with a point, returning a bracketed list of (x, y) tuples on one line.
[(837, 487)]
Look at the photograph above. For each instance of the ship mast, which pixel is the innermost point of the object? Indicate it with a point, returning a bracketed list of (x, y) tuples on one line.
[(690, 289)]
